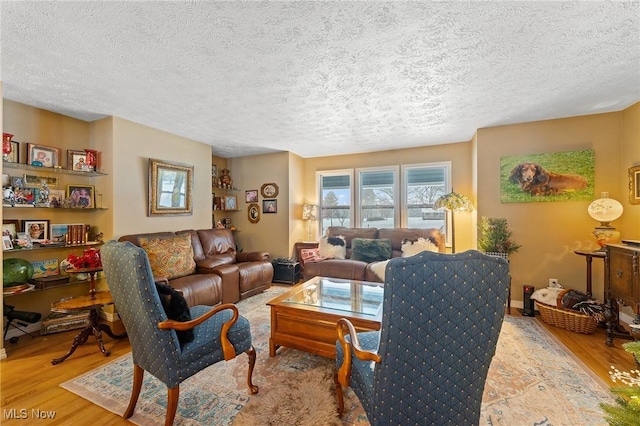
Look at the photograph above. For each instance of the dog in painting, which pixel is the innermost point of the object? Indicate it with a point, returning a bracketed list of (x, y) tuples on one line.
[(535, 180)]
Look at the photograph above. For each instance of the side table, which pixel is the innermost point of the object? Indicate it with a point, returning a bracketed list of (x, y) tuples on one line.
[(93, 303), (589, 257)]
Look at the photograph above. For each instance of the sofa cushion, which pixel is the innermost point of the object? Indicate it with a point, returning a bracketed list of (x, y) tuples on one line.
[(413, 247), (332, 247), (370, 250), (310, 255), (170, 257)]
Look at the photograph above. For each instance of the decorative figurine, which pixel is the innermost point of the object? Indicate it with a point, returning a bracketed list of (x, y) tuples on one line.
[(225, 179)]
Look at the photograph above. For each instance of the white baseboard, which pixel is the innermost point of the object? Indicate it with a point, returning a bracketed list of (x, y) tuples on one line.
[(29, 328)]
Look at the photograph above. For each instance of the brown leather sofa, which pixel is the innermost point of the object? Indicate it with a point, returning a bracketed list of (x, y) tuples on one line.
[(222, 275), (358, 270)]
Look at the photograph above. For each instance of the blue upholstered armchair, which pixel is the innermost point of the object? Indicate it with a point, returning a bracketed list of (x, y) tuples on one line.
[(219, 332), (441, 318)]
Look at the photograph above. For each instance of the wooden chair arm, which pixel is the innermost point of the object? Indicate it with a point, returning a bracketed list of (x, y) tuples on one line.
[(227, 348), (344, 373)]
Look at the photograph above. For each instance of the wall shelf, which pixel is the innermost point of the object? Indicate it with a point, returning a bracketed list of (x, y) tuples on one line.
[(20, 166), (37, 247), (63, 209)]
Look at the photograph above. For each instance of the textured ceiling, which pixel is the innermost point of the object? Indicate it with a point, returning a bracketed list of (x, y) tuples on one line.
[(321, 78)]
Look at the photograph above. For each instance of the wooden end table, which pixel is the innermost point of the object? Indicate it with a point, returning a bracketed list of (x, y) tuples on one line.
[(305, 317), (91, 302)]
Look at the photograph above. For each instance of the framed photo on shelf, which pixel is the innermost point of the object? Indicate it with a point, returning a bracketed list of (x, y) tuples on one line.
[(7, 244), (37, 230), (14, 155), (42, 156), (77, 160), (56, 197), (11, 227), (269, 206), (35, 181), (230, 202), (251, 196), (82, 196)]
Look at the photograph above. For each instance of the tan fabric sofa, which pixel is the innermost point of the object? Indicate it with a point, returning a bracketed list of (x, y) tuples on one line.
[(222, 275), (358, 270)]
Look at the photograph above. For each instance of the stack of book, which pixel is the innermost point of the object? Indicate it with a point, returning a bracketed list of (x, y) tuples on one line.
[(77, 234)]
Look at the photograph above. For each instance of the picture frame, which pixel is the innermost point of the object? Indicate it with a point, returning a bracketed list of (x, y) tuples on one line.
[(170, 188), (17, 182), (23, 240), (77, 160), (11, 227), (26, 196), (35, 181), (81, 196), (56, 197), (269, 190), (251, 196), (7, 243), (269, 206), (230, 202), (37, 230), (634, 185), (253, 213), (14, 155), (42, 155)]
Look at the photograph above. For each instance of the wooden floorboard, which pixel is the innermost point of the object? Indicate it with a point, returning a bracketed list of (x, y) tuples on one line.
[(29, 381)]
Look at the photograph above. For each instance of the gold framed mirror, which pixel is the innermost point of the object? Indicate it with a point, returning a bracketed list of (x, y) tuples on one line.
[(170, 188)]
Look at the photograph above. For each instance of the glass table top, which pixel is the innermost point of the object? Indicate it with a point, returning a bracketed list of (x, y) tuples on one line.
[(359, 297)]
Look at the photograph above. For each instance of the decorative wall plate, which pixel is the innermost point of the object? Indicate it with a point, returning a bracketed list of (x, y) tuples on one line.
[(253, 213), (269, 190)]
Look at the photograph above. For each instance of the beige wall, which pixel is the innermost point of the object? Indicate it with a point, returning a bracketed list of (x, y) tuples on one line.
[(271, 233), (549, 232), (630, 158), (133, 145)]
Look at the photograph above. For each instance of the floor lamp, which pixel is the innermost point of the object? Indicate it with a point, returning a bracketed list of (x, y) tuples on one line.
[(453, 202), (309, 213)]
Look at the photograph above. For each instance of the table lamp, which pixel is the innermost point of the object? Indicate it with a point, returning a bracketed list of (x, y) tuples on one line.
[(453, 202), (605, 210), (309, 213)]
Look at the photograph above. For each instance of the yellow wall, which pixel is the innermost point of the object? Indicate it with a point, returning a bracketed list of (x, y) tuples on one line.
[(630, 158), (133, 145), (549, 232)]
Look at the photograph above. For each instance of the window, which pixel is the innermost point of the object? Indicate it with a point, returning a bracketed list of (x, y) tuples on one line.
[(336, 199), (423, 185), (377, 197), (385, 197)]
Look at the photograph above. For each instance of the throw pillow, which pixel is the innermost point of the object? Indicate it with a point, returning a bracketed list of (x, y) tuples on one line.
[(370, 249), (379, 268), (548, 296), (413, 247), (310, 255), (170, 257), (332, 247), (177, 309)]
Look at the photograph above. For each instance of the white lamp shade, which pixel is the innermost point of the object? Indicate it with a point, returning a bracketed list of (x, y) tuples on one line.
[(309, 211), (605, 209)]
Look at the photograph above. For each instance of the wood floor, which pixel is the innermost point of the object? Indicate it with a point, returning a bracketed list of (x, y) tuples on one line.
[(29, 381)]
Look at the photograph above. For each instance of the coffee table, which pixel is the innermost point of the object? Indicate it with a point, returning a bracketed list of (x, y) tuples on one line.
[(305, 317)]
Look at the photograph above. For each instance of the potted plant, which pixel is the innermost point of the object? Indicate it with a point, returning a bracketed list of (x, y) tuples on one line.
[(495, 237), (627, 410)]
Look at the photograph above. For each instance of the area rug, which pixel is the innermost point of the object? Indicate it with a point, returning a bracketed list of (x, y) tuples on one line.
[(533, 380)]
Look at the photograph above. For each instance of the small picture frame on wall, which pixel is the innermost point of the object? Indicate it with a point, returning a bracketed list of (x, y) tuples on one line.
[(269, 206), (251, 196), (42, 156), (634, 185)]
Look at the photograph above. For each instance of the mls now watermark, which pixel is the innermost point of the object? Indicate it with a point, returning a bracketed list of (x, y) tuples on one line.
[(23, 414)]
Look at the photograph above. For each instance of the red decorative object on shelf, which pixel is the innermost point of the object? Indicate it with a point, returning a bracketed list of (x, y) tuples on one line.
[(6, 145)]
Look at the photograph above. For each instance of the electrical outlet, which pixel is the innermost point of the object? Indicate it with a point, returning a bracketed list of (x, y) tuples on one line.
[(553, 282)]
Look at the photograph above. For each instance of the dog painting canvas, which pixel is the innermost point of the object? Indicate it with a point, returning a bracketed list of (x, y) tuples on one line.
[(558, 176)]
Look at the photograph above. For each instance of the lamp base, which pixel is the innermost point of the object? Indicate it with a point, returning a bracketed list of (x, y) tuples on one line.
[(606, 235)]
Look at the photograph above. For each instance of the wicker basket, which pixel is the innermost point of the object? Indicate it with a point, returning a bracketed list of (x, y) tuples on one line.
[(567, 319)]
